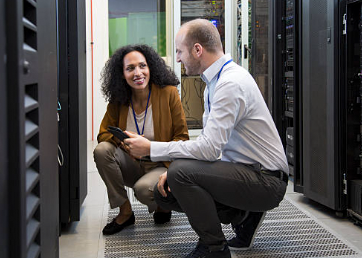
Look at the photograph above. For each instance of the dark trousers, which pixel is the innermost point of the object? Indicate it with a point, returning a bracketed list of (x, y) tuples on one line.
[(214, 192)]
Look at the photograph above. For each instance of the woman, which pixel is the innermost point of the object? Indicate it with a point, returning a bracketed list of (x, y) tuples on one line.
[(142, 98)]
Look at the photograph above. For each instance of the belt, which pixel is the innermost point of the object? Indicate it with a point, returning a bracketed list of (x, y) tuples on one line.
[(277, 173)]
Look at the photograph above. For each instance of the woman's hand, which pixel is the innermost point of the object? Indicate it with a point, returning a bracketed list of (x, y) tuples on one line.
[(138, 145), (161, 184)]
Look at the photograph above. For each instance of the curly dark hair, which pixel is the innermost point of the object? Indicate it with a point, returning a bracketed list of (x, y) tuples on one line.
[(116, 89)]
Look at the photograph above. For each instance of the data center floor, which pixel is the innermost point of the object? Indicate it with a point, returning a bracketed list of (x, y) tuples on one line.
[(84, 239)]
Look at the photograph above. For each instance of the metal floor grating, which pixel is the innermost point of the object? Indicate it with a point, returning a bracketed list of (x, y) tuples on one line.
[(286, 232)]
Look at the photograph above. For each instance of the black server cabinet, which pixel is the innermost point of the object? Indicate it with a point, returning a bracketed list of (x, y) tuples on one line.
[(290, 87), (321, 110), (352, 101), (73, 113), (283, 68), (4, 215), (317, 98), (29, 128), (276, 68)]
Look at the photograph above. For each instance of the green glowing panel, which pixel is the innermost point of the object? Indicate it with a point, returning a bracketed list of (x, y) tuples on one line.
[(139, 28)]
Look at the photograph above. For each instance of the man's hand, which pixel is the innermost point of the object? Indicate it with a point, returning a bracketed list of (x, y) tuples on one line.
[(161, 184), (138, 145), (125, 147)]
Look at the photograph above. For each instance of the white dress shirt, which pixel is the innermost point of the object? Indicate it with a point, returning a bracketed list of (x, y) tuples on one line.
[(239, 125)]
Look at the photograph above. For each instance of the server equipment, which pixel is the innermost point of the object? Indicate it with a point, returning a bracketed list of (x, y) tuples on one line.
[(317, 98), (321, 110), (73, 113), (29, 173), (352, 83), (284, 50), (4, 216), (288, 80)]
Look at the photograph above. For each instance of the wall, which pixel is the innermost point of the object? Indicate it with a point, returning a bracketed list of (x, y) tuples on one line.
[(98, 10)]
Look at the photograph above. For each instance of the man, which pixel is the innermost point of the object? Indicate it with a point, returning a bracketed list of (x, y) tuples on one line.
[(251, 176)]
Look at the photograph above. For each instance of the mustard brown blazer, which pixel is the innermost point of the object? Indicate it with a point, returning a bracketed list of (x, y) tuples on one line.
[(169, 120)]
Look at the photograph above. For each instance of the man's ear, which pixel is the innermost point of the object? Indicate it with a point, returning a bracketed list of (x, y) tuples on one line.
[(198, 49)]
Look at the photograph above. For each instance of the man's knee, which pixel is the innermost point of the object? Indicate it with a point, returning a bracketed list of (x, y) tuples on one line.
[(176, 173), (167, 203), (156, 193)]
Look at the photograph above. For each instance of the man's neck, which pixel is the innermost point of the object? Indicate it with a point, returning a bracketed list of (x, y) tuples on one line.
[(209, 59)]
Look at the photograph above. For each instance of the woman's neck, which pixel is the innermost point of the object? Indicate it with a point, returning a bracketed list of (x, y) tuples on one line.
[(139, 99)]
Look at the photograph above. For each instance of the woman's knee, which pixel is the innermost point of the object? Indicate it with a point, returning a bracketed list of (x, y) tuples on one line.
[(144, 192), (103, 152)]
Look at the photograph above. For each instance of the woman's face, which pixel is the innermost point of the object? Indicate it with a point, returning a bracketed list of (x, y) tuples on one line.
[(135, 70)]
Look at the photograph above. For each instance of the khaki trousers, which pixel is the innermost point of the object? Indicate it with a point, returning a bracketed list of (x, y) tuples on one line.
[(118, 169)]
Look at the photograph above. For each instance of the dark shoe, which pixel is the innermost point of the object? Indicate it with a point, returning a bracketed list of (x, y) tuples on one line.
[(246, 231), (161, 217), (113, 227), (231, 215), (202, 251)]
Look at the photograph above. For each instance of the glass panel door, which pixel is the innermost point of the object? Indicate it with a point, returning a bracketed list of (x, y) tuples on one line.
[(192, 87)]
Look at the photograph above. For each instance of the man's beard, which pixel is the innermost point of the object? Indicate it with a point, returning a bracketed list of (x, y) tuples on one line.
[(193, 66)]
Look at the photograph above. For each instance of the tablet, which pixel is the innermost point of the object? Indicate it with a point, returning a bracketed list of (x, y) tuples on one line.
[(117, 132), (122, 135)]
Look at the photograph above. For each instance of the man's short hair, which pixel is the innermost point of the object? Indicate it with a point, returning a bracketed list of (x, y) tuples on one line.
[(203, 32)]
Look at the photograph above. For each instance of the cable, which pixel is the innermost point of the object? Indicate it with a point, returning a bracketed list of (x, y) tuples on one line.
[(60, 161)]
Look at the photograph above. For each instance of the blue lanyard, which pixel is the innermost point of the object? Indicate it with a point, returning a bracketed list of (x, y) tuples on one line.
[(144, 119), (218, 76)]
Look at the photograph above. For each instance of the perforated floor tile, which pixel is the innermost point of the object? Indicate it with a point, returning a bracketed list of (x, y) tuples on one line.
[(286, 232)]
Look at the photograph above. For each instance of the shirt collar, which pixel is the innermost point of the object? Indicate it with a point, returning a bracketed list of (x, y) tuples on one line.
[(208, 75)]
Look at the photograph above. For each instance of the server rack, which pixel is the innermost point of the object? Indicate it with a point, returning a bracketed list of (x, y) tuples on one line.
[(4, 215), (317, 98), (29, 126), (321, 110), (352, 83), (72, 116), (284, 69), (307, 96), (307, 90), (289, 82)]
